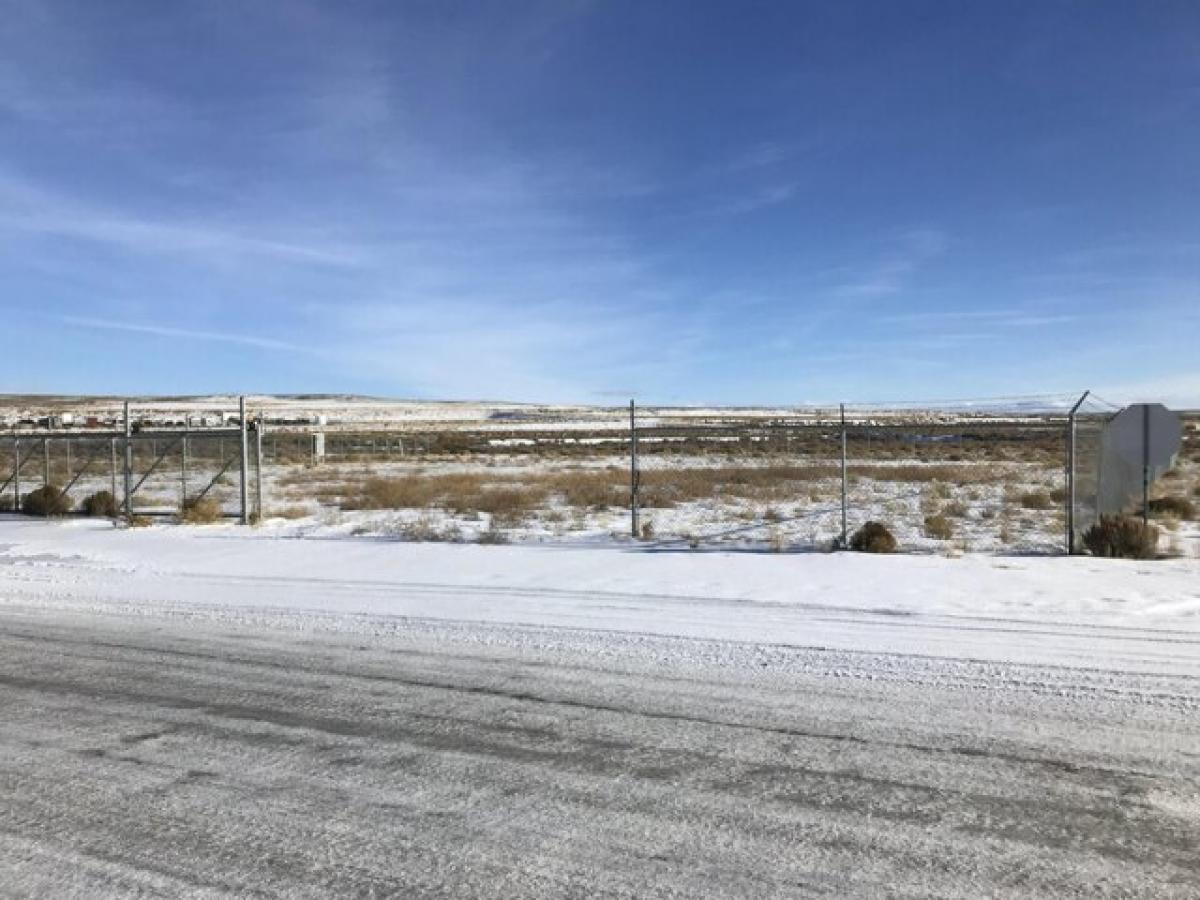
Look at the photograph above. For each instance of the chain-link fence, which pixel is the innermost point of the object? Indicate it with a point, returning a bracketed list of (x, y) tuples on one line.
[(975, 479), (155, 473), (935, 482)]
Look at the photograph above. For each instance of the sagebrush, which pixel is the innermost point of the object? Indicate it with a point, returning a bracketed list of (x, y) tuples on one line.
[(1122, 537)]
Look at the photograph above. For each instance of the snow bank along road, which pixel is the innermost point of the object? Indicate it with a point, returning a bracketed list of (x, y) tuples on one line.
[(174, 727)]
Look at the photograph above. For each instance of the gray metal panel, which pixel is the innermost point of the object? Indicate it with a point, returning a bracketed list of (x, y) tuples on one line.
[(1139, 445)]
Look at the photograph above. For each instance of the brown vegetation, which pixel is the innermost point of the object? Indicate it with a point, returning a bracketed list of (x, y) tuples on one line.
[(1036, 500), (1123, 537), (202, 511), (873, 537), (101, 503), (1178, 507), (48, 500), (938, 527)]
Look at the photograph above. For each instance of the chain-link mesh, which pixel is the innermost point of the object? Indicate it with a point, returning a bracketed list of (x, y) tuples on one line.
[(959, 483), (1089, 425), (168, 472), (940, 480)]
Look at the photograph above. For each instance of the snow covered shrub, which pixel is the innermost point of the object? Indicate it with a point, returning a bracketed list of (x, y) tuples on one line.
[(492, 536), (873, 537), (1123, 537), (422, 530), (47, 500), (101, 503), (202, 511)]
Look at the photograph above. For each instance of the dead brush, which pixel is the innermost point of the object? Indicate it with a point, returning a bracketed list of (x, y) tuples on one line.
[(666, 488), (507, 506), (945, 474), (1123, 537), (1036, 500), (938, 527), (101, 503), (200, 511), (873, 537), (393, 493), (955, 509), (585, 489), (1173, 506), (48, 500)]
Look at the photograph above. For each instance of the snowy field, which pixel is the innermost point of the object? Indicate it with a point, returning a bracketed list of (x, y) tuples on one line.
[(1090, 612), (221, 711)]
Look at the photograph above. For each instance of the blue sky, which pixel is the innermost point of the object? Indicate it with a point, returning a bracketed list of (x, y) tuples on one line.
[(569, 201)]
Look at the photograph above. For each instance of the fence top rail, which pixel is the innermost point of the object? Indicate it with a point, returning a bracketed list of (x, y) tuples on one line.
[(104, 435)]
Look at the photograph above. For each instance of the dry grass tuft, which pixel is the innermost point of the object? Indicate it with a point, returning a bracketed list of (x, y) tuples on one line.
[(101, 503), (955, 509), (1178, 507), (1036, 500), (203, 511), (1122, 537), (48, 500), (938, 527), (873, 537)]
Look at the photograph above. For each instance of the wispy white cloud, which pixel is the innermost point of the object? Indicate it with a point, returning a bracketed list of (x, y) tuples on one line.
[(32, 210), (997, 317), (169, 331), (756, 199), (912, 250)]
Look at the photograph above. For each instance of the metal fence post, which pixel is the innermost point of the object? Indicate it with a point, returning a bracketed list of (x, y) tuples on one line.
[(1071, 474), (112, 452), (843, 542), (183, 466), (634, 476), (16, 476), (46, 462), (258, 462), (1146, 464), (245, 457), (128, 466)]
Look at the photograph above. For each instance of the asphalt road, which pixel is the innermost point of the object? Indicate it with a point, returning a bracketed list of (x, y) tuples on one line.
[(150, 757)]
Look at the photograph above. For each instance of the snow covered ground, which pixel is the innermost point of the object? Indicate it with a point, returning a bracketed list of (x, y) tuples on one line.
[(227, 712), (1084, 612)]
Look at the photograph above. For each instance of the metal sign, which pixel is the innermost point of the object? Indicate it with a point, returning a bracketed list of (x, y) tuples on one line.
[(1139, 445), (1146, 434)]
